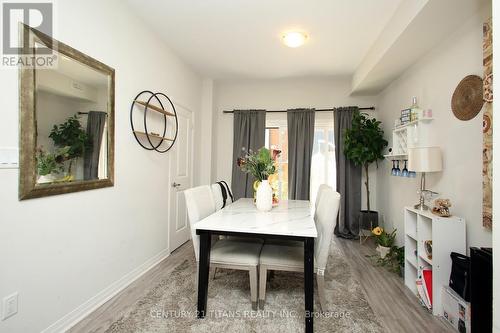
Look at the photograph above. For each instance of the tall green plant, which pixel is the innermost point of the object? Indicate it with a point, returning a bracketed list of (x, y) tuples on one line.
[(364, 144)]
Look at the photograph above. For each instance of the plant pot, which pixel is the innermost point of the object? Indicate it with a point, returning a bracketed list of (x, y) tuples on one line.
[(368, 220), (264, 196), (383, 251), (45, 179)]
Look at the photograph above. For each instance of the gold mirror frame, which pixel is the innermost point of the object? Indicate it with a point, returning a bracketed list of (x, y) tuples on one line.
[(28, 188)]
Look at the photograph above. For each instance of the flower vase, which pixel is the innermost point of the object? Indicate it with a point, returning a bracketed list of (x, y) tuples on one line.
[(383, 251), (264, 195)]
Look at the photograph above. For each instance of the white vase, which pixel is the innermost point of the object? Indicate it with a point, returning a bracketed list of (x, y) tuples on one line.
[(264, 196), (383, 251)]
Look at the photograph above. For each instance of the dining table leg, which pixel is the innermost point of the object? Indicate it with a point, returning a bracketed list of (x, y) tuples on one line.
[(203, 270), (309, 282)]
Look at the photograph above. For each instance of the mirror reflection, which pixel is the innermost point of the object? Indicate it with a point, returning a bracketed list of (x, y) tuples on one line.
[(71, 121)]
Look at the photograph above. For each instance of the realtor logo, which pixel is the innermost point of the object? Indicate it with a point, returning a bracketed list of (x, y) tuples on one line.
[(18, 51)]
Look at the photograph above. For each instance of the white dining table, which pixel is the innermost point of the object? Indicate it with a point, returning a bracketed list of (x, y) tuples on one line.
[(290, 220)]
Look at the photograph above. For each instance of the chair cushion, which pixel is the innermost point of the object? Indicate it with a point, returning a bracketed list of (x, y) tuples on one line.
[(226, 251), (284, 242), (280, 255)]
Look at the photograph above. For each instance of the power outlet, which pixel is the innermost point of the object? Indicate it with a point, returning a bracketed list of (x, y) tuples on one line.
[(9, 306)]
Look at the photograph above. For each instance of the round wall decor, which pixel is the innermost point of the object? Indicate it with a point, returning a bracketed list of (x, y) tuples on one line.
[(160, 103), (467, 100)]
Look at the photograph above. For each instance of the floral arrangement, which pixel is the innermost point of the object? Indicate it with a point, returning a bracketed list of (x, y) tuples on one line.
[(260, 164), (383, 238)]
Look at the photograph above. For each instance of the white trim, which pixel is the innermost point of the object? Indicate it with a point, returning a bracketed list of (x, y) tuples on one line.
[(75, 316)]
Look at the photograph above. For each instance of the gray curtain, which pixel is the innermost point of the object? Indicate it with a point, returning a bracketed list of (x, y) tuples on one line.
[(95, 129), (249, 132), (348, 178), (300, 146)]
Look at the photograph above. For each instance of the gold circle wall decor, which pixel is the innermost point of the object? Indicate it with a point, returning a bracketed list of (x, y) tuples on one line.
[(467, 100)]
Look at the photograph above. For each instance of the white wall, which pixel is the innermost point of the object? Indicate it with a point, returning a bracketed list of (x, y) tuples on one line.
[(271, 95), (433, 80), (203, 136), (58, 252)]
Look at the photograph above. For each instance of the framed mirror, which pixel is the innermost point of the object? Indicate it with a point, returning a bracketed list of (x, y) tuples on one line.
[(66, 120)]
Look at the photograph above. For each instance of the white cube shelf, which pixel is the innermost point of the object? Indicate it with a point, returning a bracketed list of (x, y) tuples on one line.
[(447, 235)]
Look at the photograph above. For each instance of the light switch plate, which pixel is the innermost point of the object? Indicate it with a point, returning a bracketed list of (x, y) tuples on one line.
[(9, 158), (9, 306)]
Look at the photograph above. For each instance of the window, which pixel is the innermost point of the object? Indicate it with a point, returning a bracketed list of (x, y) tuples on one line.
[(277, 138), (323, 170)]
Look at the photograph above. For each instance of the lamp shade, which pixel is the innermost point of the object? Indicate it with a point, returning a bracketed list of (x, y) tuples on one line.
[(425, 159)]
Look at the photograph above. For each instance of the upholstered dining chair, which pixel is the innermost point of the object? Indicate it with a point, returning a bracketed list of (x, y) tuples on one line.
[(321, 188), (291, 258), (225, 253), (222, 194)]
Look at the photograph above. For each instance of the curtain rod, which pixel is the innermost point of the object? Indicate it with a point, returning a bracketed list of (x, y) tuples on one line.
[(321, 110), (86, 113)]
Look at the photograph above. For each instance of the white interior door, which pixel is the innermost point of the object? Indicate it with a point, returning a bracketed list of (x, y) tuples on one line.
[(181, 166)]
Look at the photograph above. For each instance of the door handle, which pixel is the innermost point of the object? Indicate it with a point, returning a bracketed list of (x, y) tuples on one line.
[(174, 185)]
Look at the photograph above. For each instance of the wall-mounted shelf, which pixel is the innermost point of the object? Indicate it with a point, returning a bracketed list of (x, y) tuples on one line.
[(156, 136), (396, 156), (414, 122), (162, 142), (409, 135), (155, 108)]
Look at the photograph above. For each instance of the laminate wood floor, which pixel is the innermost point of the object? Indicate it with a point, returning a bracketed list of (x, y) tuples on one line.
[(396, 307)]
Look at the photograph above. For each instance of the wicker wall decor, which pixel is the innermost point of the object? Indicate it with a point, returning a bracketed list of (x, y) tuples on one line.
[(467, 100)]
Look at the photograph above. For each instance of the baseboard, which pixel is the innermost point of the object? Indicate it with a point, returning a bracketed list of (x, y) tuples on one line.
[(70, 319)]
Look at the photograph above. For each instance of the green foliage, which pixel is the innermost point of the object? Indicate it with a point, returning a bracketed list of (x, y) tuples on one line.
[(259, 164), (46, 163), (400, 255), (393, 261), (70, 134), (385, 239), (364, 142)]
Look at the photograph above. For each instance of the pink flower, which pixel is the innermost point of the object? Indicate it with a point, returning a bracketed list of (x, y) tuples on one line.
[(275, 153)]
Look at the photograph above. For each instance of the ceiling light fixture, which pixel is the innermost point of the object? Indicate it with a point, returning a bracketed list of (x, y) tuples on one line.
[(294, 39)]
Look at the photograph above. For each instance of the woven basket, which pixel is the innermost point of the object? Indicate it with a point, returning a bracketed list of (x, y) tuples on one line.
[(467, 99)]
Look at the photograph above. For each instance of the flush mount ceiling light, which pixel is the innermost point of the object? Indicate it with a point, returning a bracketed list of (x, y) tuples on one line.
[(294, 38)]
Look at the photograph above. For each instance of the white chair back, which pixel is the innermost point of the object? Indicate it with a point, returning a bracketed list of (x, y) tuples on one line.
[(199, 204), (325, 219), (321, 188), (217, 193)]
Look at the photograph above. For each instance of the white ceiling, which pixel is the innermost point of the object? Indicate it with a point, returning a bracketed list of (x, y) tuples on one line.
[(235, 39)]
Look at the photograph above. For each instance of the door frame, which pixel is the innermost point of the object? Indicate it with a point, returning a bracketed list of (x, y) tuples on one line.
[(180, 108)]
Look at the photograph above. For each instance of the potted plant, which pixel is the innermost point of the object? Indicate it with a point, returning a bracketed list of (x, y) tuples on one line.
[(49, 164), (384, 241), (261, 165), (364, 144), (71, 136), (46, 165)]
